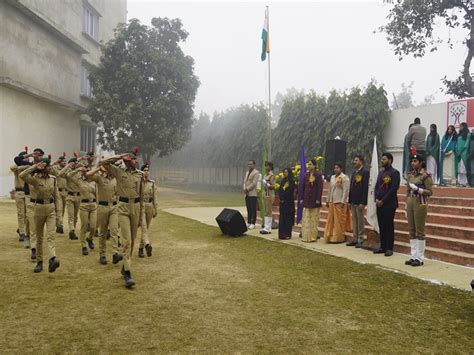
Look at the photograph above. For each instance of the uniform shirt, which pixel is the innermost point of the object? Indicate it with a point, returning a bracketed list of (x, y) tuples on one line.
[(71, 185), (388, 182), (424, 181), (19, 183), (45, 187), (129, 181), (149, 192), (106, 187), (87, 188), (359, 187), (270, 181), (60, 180)]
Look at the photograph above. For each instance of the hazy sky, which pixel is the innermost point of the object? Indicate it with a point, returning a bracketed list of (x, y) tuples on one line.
[(314, 45)]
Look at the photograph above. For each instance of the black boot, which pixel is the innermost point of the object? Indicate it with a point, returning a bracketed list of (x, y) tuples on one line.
[(148, 249), (33, 254), (60, 229), (22, 238), (409, 262), (53, 264), (72, 235), (116, 258), (39, 267), (103, 260), (90, 242), (141, 254), (417, 262), (84, 251), (128, 279)]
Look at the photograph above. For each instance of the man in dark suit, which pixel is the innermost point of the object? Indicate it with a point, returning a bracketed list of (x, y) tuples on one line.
[(386, 188), (358, 200)]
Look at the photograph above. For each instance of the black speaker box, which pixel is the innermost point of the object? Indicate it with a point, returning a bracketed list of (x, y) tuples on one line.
[(231, 222), (335, 151)]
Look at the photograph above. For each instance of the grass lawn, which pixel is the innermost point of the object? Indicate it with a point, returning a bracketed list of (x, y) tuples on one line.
[(202, 292)]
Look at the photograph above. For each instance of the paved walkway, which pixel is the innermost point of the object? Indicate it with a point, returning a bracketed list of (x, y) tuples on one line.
[(433, 271)]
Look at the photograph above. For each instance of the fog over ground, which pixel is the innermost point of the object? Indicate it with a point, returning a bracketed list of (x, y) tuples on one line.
[(314, 45)]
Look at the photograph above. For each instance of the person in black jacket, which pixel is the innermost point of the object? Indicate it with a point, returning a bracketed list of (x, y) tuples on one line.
[(358, 200), (388, 182), (286, 193)]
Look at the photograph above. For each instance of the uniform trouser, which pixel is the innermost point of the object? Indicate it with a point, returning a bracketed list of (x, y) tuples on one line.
[(268, 212), (129, 219), (358, 224), (107, 219), (88, 212), (61, 208), (45, 217), (416, 216), (20, 202), (385, 218), (147, 216), (30, 215), (72, 205)]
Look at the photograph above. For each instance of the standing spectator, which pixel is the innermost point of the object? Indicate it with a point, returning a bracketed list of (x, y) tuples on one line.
[(269, 190), (432, 153), (461, 155), (470, 158), (286, 193), (406, 152), (358, 200), (312, 195), (250, 189), (339, 215), (446, 161), (417, 137), (386, 188)]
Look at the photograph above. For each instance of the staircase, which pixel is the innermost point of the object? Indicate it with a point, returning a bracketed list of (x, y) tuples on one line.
[(449, 225)]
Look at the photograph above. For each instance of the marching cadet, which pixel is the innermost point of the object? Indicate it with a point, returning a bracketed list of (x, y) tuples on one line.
[(88, 206), (44, 210), (130, 192), (107, 213), (57, 166), (73, 200), (419, 188), (20, 200), (149, 211)]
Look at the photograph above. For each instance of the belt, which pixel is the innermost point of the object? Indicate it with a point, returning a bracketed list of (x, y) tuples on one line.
[(88, 200), (19, 189), (150, 199), (105, 203), (70, 193), (127, 200), (41, 201)]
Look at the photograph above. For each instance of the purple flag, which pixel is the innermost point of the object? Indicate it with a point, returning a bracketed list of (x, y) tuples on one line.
[(299, 212)]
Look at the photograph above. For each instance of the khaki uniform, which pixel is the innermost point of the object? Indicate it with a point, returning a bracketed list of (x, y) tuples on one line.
[(149, 210), (20, 200), (30, 214), (62, 188), (107, 211), (73, 200), (88, 206), (44, 207), (269, 193), (130, 192)]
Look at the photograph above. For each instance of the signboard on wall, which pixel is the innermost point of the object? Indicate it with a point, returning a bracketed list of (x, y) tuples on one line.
[(460, 111)]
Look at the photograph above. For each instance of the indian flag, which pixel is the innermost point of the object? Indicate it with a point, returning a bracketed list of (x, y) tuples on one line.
[(265, 38)]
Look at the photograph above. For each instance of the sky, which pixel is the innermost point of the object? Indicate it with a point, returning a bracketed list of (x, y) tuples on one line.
[(317, 45)]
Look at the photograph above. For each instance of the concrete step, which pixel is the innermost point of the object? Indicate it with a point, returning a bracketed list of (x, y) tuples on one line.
[(442, 200)]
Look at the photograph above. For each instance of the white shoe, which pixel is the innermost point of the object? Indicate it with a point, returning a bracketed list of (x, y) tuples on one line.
[(251, 226)]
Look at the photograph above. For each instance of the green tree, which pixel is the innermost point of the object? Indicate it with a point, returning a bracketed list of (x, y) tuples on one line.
[(411, 30), (144, 89)]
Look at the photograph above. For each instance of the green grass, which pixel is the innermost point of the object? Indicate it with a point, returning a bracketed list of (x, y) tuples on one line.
[(202, 292)]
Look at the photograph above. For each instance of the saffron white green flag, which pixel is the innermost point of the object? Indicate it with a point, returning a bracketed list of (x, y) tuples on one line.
[(371, 207), (265, 38)]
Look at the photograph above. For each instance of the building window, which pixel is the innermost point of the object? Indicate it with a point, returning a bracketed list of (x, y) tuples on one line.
[(90, 22), (88, 138), (86, 89)]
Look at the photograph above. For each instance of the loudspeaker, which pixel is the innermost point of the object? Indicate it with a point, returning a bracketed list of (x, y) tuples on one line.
[(335, 151), (231, 222)]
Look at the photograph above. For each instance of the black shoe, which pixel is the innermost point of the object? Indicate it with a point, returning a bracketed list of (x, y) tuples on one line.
[(84, 251), (379, 251), (409, 262), (90, 242), (148, 249), (417, 262), (53, 264), (358, 245), (22, 238), (128, 279), (103, 260), (60, 230), (389, 253), (33, 254), (72, 235), (39, 267), (141, 254), (351, 244), (265, 232), (116, 258)]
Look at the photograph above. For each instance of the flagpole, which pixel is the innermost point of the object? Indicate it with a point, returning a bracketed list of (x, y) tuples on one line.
[(269, 93)]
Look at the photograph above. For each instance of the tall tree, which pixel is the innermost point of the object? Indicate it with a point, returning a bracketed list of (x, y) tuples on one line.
[(144, 89), (411, 30), (404, 99)]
